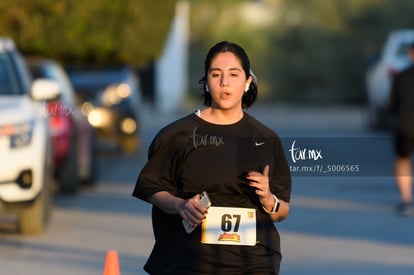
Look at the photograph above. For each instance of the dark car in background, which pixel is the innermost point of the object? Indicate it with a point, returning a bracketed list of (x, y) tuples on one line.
[(72, 136), (110, 99)]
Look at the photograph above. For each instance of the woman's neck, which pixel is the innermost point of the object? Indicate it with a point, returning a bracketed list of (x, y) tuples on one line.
[(221, 117)]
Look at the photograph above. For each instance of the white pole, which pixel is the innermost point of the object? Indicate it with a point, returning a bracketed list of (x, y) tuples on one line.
[(171, 69)]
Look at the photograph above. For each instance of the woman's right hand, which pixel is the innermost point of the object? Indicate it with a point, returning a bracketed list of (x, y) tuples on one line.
[(192, 211)]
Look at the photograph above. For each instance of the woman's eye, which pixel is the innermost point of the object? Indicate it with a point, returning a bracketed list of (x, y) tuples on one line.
[(214, 75)]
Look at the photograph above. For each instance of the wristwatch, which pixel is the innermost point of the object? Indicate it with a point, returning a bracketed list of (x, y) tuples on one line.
[(275, 206)]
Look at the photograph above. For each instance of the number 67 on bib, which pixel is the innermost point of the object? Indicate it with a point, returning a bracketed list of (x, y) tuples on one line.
[(229, 226)]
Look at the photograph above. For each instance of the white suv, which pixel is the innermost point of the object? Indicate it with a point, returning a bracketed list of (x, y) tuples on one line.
[(393, 59), (25, 151)]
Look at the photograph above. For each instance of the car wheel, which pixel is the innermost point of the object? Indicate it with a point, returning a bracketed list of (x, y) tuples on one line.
[(68, 176), (92, 164), (32, 218)]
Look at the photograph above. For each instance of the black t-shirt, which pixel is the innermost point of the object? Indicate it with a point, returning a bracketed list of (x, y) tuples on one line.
[(402, 100), (190, 156)]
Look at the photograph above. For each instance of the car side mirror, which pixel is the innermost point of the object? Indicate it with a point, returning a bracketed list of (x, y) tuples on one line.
[(44, 89)]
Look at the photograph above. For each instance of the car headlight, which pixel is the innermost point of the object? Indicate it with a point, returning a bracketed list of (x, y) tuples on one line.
[(115, 93), (128, 125), (99, 117), (20, 134)]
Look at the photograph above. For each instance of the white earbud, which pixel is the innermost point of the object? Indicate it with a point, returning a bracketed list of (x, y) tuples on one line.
[(207, 90)]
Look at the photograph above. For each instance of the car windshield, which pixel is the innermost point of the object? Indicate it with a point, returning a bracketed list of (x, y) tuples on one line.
[(90, 83), (8, 82), (402, 51)]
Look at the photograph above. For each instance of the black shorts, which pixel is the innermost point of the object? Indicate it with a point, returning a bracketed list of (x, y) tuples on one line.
[(403, 144)]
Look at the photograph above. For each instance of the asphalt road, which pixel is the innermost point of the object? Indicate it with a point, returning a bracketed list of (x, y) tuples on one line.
[(341, 222)]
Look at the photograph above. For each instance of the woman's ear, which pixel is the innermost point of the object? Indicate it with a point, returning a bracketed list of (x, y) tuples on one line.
[(248, 81), (247, 87)]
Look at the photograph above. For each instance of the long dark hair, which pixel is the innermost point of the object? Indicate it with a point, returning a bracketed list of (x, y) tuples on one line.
[(250, 96)]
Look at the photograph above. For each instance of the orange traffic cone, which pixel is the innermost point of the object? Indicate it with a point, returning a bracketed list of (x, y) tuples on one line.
[(112, 263)]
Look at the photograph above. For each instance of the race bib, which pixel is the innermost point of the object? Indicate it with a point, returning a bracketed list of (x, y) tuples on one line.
[(230, 226)]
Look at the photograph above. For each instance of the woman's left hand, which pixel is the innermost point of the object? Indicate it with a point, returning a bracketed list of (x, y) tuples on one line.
[(260, 181)]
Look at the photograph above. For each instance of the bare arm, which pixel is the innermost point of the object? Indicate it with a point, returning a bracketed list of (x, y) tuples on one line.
[(260, 181), (281, 214), (190, 210)]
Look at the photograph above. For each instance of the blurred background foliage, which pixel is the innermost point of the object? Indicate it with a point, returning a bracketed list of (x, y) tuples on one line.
[(303, 51), (89, 31)]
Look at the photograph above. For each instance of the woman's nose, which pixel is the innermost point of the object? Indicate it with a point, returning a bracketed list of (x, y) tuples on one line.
[(224, 81)]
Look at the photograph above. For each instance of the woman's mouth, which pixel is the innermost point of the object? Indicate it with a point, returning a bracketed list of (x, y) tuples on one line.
[(225, 95)]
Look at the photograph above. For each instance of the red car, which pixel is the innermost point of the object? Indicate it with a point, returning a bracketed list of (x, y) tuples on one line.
[(72, 136)]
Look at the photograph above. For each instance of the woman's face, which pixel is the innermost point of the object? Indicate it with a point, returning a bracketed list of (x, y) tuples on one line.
[(227, 81)]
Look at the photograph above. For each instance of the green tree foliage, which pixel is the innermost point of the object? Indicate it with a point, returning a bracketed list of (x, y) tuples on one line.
[(301, 50), (89, 31)]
